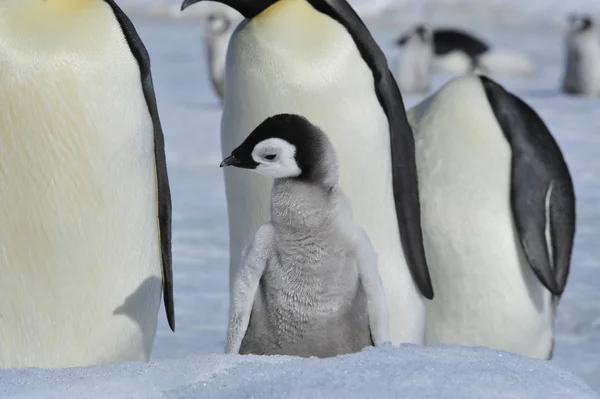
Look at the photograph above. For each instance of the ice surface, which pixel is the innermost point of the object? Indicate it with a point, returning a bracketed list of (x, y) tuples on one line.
[(191, 118), (410, 371)]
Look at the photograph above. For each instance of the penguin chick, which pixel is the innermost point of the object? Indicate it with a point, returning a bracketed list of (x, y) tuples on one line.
[(582, 61), (414, 67), (308, 284), (218, 30)]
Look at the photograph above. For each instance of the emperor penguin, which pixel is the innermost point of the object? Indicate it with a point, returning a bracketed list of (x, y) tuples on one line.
[(316, 58), (498, 218), (456, 51), (219, 26), (414, 66), (582, 61), (308, 283), (85, 236)]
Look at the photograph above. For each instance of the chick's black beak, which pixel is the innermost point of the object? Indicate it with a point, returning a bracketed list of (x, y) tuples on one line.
[(230, 161)]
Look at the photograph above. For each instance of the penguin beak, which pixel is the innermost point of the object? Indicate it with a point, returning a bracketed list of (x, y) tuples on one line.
[(230, 161), (239, 161), (248, 8)]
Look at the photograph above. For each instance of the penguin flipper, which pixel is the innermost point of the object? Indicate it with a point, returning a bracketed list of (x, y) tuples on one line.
[(162, 179), (246, 281), (542, 193), (366, 260), (402, 142)]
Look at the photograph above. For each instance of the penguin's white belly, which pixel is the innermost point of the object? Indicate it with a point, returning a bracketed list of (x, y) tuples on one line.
[(337, 94), (495, 62), (456, 62), (485, 291), (79, 250), (507, 62)]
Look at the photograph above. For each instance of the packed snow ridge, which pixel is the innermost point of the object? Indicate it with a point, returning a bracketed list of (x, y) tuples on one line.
[(410, 371)]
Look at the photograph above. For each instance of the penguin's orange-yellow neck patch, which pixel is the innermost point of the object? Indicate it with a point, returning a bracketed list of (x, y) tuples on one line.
[(68, 5), (43, 24), (297, 26), (34, 9)]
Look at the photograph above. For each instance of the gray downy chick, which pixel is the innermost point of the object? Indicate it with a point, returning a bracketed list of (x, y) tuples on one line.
[(308, 284), (582, 63)]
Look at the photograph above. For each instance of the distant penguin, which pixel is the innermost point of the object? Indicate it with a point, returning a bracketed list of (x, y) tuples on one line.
[(316, 58), (308, 284), (582, 65), (414, 65), (218, 30), (456, 51), (86, 208), (498, 218)]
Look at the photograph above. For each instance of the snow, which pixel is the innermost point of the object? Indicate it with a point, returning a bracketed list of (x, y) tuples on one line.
[(185, 363), (410, 371)]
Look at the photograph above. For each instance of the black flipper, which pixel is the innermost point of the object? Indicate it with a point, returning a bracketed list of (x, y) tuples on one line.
[(542, 193), (404, 167), (164, 193)]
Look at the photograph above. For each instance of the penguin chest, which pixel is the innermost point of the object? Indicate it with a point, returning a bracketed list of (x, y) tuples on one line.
[(317, 309), (454, 62), (79, 251), (467, 219)]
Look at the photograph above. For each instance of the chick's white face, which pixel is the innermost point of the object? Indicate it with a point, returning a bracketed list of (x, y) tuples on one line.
[(276, 159)]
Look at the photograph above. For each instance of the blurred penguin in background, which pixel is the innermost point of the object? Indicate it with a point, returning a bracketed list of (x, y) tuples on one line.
[(582, 69), (414, 65), (457, 51), (219, 26)]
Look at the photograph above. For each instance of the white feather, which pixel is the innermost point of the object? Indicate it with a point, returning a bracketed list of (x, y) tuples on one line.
[(245, 284), (506, 62), (366, 259), (497, 62)]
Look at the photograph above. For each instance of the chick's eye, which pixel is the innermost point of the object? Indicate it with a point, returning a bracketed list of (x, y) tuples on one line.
[(270, 157)]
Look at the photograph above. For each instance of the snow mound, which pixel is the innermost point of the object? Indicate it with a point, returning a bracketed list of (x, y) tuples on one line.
[(411, 371)]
